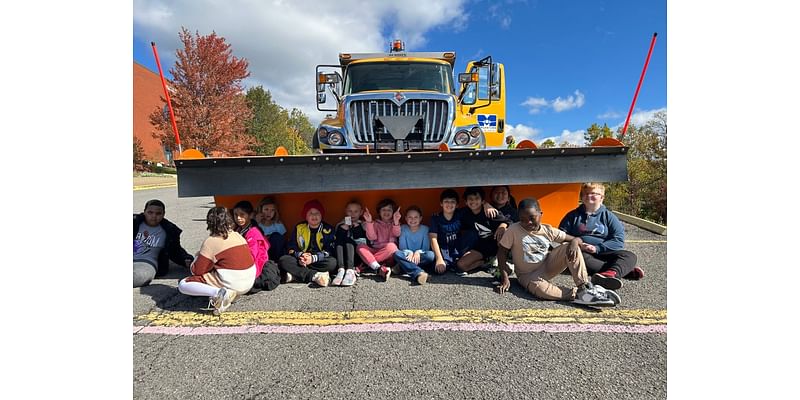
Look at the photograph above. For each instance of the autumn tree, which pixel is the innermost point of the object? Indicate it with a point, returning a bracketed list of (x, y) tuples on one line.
[(645, 193), (271, 125), (207, 98), (548, 144)]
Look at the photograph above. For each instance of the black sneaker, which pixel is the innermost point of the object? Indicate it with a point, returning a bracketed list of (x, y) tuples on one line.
[(590, 296), (607, 279)]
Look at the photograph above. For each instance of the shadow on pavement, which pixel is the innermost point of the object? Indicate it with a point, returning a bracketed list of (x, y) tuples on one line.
[(170, 299)]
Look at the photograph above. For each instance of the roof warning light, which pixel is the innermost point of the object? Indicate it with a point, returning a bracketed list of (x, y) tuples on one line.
[(397, 46)]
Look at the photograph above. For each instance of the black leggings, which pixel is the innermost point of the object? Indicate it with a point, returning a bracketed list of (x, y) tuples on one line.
[(291, 265), (621, 261)]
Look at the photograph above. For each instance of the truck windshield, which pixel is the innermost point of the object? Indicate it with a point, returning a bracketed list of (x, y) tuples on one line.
[(398, 76)]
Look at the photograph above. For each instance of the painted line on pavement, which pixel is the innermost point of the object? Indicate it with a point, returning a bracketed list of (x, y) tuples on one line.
[(188, 319), (161, 185), (390, 327)]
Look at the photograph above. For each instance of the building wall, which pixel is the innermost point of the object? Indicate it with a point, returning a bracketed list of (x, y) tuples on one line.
[(147, 93)]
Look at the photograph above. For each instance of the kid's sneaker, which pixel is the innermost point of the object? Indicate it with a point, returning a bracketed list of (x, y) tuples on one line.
[(337, 281), (590, 296), (287, 277), (607, 279), (222, 300), (349, 278), (321, 278), (384, 272), (636, 274), (612, 295), (422, 278)]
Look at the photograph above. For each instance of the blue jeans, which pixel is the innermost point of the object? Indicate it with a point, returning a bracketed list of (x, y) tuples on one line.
[(425, 259)]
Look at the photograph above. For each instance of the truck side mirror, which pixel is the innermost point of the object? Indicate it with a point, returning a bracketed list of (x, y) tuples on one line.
[(328, 78), (467, 77)]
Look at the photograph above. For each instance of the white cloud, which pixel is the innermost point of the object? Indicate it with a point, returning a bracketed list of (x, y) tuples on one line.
[(571, 137), (639, 118), (284, 40), (521, 132), (569, 103), (609, 115), (537, 104)]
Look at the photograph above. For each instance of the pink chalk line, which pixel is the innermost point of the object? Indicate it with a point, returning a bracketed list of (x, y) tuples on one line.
[(389, 327)]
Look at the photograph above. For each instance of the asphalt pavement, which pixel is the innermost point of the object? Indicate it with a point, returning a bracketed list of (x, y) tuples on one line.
[(452, 338)]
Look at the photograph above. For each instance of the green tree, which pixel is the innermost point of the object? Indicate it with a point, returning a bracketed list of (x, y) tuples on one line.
[(645, 193), (272, 126), (596, 132), (548, 144), (301, 126)]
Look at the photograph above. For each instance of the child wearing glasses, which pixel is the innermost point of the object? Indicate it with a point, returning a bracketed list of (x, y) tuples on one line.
[(603, 238)]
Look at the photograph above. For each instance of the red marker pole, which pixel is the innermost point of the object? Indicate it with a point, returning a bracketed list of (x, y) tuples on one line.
[(635, 95), (169, 102)]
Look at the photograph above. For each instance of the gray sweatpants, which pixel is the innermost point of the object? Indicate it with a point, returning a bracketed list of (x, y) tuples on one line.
[(143, 273)]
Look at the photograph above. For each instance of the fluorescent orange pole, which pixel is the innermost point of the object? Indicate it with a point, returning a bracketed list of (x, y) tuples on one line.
[(169, 102), (641, 78)]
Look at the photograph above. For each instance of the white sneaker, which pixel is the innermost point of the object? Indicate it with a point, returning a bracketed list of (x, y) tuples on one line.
[(349, 278), (223, 300), (337, 281), (590, 296), (321, 278), (612, 295)]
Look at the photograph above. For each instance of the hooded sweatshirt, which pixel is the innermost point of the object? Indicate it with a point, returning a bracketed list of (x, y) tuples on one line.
[(602, 229)]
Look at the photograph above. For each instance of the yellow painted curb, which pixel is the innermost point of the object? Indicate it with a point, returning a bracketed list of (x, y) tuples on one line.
[(326, 318)]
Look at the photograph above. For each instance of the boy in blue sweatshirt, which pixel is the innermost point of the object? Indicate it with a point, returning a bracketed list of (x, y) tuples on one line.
[(603, 238)]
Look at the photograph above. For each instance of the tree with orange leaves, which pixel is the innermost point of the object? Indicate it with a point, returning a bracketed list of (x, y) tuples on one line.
[(207, 98)]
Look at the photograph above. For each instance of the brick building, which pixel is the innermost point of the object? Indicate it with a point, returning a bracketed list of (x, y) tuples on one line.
[(147, 93)]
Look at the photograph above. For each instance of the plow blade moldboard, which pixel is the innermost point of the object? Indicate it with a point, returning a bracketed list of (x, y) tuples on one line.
[(389, 171)]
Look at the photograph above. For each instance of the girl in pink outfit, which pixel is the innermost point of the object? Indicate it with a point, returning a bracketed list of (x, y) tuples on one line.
[(382, 235), (246, 226)]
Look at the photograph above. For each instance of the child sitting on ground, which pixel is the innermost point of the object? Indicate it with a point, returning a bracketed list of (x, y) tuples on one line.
[(311, 248), (383, 235), (349, 234), (267, 275), (269, 221), (224, 267), (445, 232), (414, 254), (481, 230), (536, 265)]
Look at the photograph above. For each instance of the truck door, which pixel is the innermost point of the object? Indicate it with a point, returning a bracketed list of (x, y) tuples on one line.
[(490, 111)]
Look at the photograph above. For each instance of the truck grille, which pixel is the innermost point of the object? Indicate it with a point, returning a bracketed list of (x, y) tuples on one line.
[(366, 126)]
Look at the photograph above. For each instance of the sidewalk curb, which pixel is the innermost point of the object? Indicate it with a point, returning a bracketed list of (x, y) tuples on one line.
[(156, 186), (641, 223)]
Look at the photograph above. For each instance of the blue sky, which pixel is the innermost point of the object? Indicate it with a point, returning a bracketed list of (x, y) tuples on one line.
[(568, 63)]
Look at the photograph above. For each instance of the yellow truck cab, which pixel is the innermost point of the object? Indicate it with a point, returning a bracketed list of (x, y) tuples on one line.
[(405, 101)]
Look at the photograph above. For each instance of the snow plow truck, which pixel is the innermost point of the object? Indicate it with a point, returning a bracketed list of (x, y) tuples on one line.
[(401, 127)]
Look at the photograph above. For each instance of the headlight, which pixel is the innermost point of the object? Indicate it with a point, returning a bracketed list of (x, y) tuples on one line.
[(462, 138), (323, 133), (475, 132), (335, 138)]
